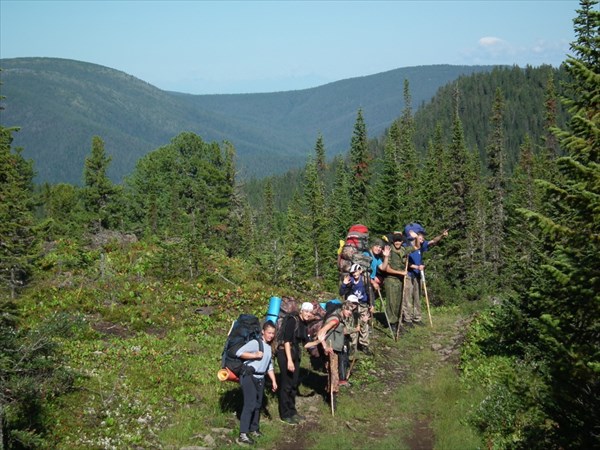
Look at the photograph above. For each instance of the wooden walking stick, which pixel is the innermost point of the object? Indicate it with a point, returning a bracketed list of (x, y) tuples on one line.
[(402, 298), (426, 297), (387, 318), (331, 399)]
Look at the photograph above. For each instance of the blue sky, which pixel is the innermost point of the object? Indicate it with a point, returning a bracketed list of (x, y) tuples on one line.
[(205, 47)]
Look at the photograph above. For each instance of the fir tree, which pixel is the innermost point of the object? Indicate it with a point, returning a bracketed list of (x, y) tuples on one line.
[(317, 224), (360, 170), (407, 160), (385, 201), (98, 190), (459, 178), (18, 241), (496, 185), (320, 155), (340, 204)]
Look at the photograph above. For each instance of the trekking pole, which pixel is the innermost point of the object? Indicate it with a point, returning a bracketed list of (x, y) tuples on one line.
[(426, 297), (387, 318), (331, 399), (402, 298)]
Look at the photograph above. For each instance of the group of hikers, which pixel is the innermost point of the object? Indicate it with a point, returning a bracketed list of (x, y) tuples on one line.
[(392, 264)]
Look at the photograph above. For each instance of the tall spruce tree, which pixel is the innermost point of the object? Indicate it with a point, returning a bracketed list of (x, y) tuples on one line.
[(433, 185), (408, 162), (299, 248), (317, 223), (98, 190), (360, 170), (18, 240), (321, 161), (496, 185), (385, 204), (522, 193), (340, 203), (458, 174)]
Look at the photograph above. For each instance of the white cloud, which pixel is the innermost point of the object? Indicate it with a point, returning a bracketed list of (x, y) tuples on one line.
[(490, 41)]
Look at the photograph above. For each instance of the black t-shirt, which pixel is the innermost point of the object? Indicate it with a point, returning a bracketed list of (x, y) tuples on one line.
[(294, 330)]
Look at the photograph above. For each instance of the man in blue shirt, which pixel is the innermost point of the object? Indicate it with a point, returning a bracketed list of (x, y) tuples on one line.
[(411, 306)]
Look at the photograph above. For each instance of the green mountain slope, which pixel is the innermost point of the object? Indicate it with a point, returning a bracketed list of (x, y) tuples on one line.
[(60, 104)]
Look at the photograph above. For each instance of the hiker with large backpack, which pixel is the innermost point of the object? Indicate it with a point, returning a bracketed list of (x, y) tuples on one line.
[(257, 361), (357, 283), (331, 339), (353, 249), (411, 308), (291, 333)]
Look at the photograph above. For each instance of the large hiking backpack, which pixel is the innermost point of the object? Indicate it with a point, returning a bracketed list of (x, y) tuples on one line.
[(245, 328), (357, 242), (289, 307)]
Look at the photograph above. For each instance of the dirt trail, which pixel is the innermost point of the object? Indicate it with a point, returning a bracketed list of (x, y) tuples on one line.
[(390, 363)]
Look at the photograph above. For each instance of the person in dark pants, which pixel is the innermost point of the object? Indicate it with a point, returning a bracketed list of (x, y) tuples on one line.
[(288, 359), (252, 380)]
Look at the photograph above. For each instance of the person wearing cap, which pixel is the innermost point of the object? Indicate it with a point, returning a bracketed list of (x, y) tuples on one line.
[(395, 273), (411, 307), (356, 283), (331, 338), (288, 359)]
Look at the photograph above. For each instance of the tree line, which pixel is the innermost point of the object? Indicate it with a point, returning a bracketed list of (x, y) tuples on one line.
[(523, 227)]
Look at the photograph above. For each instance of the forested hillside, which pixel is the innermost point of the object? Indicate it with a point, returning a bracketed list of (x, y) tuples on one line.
[(61, 104), (526, 92), (115, 298)]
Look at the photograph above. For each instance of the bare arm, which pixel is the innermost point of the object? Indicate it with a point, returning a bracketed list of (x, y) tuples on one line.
[(271, 375), (437, 239)]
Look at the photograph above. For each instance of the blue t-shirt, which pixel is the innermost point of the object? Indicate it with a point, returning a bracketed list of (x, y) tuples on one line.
[(376, 261), (416, 258), (355, 288)]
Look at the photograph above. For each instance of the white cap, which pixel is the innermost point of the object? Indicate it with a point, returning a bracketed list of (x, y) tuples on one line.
[(306, 306), (354, 268), (352, 299)]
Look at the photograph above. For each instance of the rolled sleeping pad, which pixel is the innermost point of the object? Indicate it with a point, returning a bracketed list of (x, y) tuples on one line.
[(226, 375), (273, 311)]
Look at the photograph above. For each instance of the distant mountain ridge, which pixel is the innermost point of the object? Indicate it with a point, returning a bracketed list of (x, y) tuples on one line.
[(60, 104)]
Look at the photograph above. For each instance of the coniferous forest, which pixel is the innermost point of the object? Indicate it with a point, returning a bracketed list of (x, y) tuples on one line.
[(116, 298)]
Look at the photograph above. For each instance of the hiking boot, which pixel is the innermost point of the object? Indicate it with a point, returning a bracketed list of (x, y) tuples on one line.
[(244, 439), (418, 323), (256, 434), (290, 421), (394, 328), (298, 418), (366, 351), (344, 383), (408, 325)]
